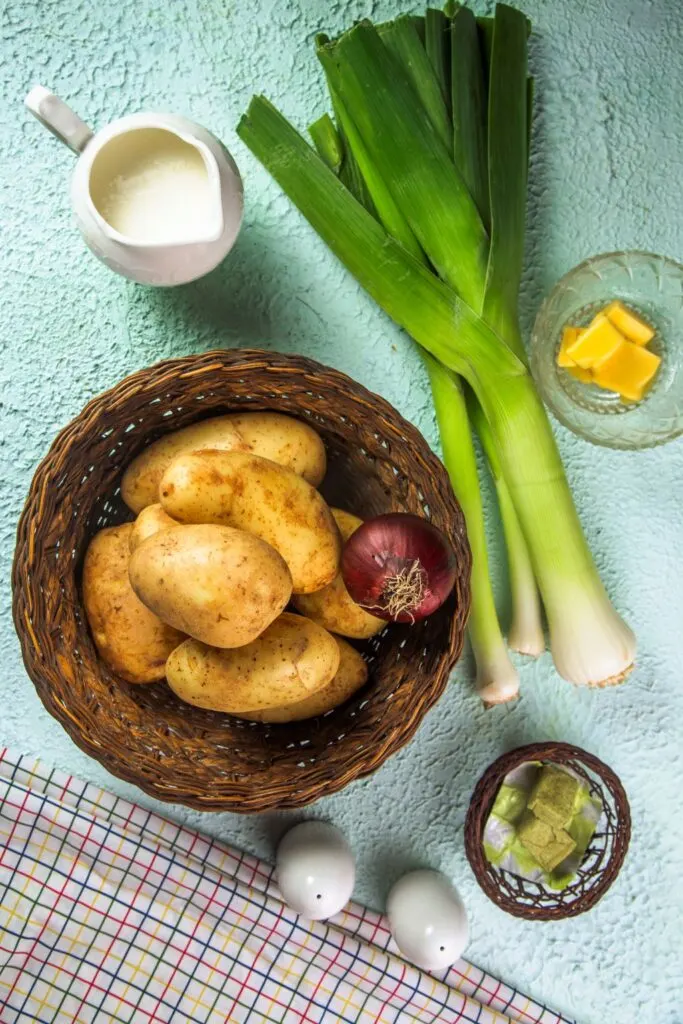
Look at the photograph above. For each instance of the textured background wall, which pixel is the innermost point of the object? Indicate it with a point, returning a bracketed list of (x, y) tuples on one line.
[(606, 174)]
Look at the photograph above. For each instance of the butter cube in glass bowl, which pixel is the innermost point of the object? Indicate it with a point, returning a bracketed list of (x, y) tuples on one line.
[(615, 285)]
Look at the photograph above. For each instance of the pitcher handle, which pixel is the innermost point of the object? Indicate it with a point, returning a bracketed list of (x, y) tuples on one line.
[(58, 118)]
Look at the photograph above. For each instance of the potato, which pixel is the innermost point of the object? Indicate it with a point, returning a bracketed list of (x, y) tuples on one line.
[(255, 494), (128, 637), (272, 436), (220, 585), (289, 661), (284, 440), (350, 676), (150, 521), (332, 607)]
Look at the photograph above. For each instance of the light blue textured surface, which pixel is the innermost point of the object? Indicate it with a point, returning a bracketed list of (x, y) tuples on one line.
[(606, 174)]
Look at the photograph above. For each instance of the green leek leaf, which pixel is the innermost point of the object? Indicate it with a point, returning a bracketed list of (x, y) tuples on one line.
[(485, 32), (507, 159), (327, 142), (410, 157), (383, 202), (529, 115), (412, 295), (438, 46), (419, 24), (469, 109), (402, 39)]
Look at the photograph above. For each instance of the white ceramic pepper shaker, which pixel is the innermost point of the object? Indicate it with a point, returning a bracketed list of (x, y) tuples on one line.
[(315, 870), (428, 920)]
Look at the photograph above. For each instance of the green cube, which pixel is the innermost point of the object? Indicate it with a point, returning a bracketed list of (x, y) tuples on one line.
[(553, 796), (547, 845), (557, 851), (534, 832)]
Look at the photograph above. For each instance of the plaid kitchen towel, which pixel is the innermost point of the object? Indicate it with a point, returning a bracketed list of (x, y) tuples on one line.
[(110, 913)]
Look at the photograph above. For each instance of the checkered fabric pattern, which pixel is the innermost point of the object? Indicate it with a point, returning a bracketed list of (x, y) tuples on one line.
[(110, 913)]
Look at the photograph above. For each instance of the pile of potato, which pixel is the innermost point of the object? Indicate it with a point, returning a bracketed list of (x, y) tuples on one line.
[(230, 530)]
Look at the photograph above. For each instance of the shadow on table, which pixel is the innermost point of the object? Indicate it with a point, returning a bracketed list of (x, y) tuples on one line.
[(236, 305)]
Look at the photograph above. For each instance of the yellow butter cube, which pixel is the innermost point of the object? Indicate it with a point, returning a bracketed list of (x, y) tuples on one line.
[(596, 343), (569, 336), (628, 371), (631, 326), (585, 376)]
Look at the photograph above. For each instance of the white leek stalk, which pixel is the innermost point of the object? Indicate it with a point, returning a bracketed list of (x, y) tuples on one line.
[(525, 632), (497, 678), (591, 645)]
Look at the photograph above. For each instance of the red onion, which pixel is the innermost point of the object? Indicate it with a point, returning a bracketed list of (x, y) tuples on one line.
[(399, 567)]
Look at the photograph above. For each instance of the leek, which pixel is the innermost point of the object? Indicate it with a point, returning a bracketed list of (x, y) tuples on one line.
[(525, 632), (505, 173), (488, 125), (497, 679), (467, 320)]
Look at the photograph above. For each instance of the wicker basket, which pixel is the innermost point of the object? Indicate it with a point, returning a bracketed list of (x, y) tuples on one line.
[(604, 856), (144, 734)]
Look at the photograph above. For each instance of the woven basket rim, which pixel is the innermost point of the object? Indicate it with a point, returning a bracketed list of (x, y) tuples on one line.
[(492, 879), (93, 418)]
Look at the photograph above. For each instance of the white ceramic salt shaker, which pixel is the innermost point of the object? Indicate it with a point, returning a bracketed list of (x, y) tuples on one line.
[(315, 870), (428, 920)]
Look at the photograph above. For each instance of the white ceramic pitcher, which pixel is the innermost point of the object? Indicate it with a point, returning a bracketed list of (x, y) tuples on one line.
[(157, 197)]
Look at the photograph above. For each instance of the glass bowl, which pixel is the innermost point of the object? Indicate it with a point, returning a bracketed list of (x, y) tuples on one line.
[(653, 287)]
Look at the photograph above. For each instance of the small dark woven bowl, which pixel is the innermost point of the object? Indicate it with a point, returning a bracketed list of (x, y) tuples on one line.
[(604, 856), (377, 463)]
